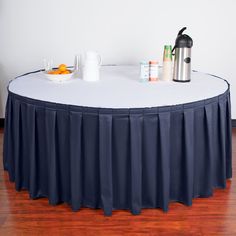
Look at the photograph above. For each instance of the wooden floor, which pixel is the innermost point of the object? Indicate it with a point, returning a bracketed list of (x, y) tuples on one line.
[(210, 216)]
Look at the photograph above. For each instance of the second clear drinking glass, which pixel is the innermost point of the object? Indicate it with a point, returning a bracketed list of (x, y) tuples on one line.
[(77, 66)]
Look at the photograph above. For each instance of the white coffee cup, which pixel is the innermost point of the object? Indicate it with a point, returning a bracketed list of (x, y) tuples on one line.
[(91, 68)]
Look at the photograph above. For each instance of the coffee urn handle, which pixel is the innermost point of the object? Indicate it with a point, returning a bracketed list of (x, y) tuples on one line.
[(181, 31)]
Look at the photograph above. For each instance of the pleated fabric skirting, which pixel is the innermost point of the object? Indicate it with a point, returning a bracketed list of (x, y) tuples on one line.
[(118, 158)]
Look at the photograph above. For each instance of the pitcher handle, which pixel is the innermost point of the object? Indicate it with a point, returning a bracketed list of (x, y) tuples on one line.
[(99, 60)]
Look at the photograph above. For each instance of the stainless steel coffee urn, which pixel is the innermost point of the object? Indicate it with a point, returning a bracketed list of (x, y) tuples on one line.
[(182, 53)]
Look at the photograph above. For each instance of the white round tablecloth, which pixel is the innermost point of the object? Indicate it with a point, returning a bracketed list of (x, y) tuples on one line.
[(119, 87)]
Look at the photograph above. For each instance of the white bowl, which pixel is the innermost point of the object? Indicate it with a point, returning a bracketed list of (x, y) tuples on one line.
[(58, 78)]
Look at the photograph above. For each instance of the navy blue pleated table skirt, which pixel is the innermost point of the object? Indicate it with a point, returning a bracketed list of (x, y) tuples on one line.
[(118, 158)]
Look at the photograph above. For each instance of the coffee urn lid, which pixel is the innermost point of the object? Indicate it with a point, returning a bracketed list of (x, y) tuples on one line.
[(183, 40)]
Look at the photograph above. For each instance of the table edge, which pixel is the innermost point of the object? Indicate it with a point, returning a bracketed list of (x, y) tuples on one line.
[(157, 109)]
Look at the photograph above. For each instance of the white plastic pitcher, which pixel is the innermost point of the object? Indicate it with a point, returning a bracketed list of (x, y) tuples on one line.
[(91, 69)]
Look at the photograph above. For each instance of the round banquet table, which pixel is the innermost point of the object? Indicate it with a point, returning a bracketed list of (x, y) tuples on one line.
[(118, 143)]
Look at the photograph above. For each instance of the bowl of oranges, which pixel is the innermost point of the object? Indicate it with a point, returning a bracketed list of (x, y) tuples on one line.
[(62, 73)]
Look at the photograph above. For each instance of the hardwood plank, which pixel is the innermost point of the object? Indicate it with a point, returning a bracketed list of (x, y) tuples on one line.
[(208, 216)]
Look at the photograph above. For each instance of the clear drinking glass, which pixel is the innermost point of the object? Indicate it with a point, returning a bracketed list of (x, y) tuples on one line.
[(77, 66), (77, 62), (47, 64)]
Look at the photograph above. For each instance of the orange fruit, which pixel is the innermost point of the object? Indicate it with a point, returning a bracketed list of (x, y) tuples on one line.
[(56, 72), (65, 72), (62, 67)]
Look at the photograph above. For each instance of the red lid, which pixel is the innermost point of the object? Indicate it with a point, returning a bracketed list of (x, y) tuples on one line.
[(153, 62)]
